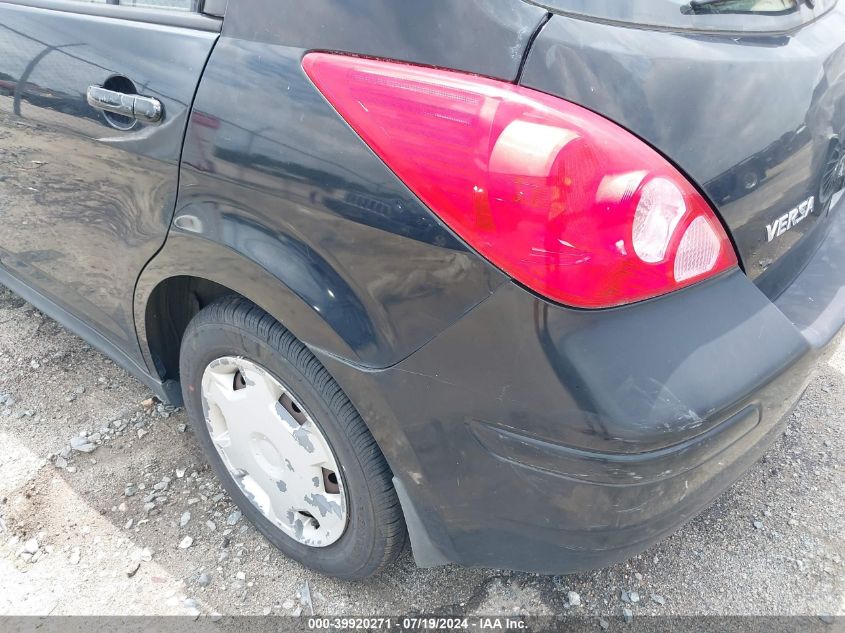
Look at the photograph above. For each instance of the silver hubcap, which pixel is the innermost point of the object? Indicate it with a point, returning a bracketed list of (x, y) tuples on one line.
[(274, 451)]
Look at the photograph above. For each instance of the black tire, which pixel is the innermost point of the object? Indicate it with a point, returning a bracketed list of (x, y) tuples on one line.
[(375, 534)]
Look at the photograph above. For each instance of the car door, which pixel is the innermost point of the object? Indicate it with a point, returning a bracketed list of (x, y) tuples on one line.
[(94, 99)]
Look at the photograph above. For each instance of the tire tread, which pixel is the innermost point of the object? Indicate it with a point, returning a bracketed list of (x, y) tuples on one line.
[(240, 312)]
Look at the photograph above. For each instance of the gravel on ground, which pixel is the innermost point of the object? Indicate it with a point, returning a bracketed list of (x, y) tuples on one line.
[(107, 506)]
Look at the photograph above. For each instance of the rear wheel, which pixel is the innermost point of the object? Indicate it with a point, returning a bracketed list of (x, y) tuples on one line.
[(286, 442)]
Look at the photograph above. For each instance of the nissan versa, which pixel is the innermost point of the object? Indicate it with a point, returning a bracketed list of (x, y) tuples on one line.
[(524, 283)]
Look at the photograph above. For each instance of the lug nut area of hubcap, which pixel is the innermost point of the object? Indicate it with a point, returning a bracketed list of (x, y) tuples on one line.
[(274, 451)]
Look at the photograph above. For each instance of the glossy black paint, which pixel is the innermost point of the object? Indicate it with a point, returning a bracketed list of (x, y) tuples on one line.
[(487, 37), (521, 433), (85, 205), (752, 119)]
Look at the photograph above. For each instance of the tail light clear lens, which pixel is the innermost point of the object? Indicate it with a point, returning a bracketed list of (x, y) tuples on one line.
[(561, 199), (698, 251), (658, 212)]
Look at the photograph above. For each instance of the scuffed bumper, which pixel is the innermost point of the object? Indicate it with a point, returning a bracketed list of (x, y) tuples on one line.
[(535, 437)]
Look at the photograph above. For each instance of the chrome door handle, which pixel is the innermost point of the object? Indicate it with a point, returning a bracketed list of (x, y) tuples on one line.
[(146, 109)]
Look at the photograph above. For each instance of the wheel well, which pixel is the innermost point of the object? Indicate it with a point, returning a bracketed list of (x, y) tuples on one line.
[(171, 306)]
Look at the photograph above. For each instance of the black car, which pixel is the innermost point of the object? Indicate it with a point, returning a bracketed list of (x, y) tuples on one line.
[(525, 282)]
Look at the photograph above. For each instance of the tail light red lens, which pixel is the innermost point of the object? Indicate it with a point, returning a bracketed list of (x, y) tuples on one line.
[(561, 199)]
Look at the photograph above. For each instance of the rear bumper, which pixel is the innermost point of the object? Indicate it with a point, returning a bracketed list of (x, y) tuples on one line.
[(535, 437)]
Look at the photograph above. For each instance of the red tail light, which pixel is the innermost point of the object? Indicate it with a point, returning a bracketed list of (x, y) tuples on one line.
[(561, 199)]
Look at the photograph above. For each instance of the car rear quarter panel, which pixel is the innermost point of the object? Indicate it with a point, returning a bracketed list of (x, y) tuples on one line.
[(273, 177), (277, 181)]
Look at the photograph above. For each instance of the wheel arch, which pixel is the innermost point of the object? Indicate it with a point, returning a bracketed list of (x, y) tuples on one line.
[(190, 272)]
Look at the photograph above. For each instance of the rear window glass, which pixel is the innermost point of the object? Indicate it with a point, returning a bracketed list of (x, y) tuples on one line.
[(704, 15)]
